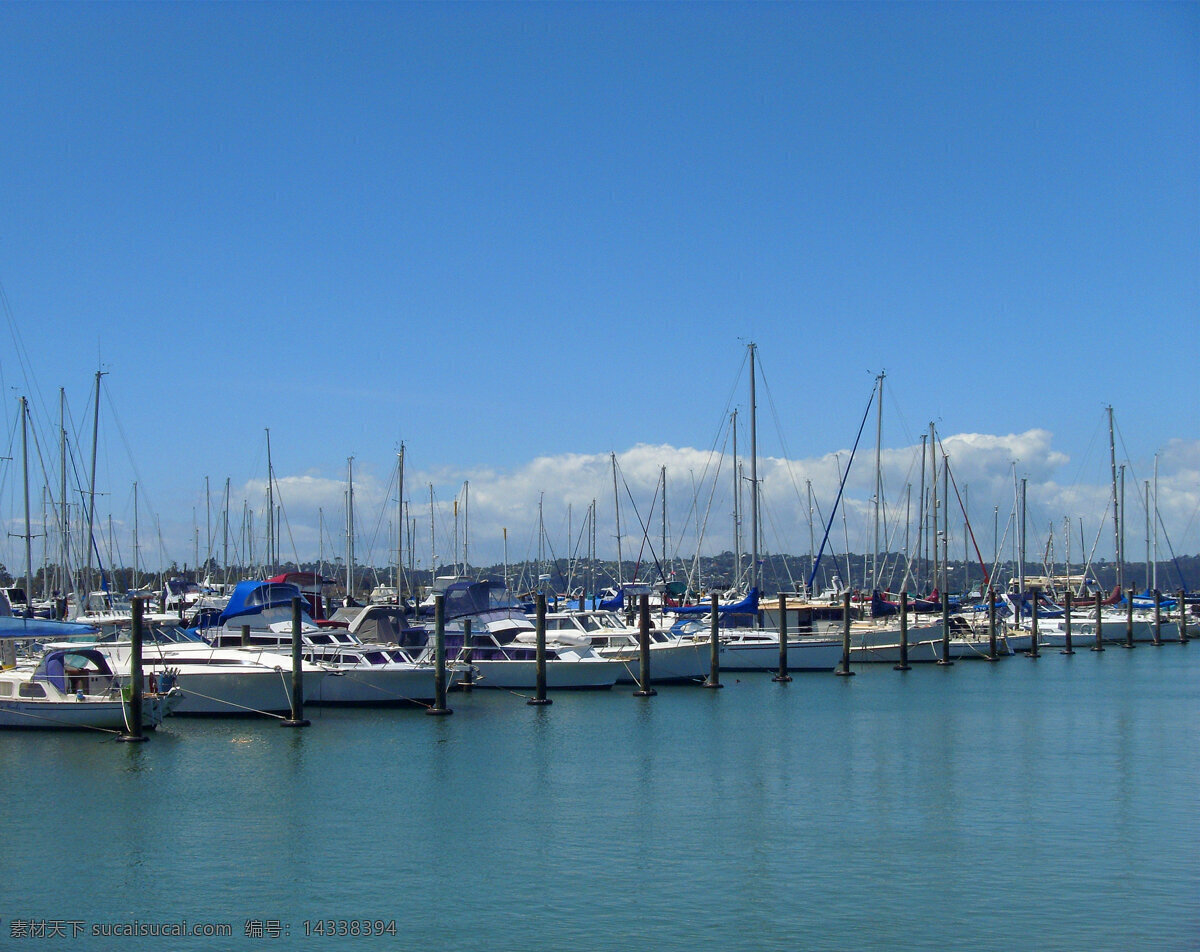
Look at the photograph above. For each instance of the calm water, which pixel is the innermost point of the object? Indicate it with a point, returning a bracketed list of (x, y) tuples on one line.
[(1022, 805)]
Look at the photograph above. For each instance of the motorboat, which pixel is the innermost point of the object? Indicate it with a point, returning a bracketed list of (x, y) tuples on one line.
[(75, 688)]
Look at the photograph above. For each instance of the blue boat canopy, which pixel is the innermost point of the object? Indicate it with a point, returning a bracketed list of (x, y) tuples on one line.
[(252, 598), (747, 606)]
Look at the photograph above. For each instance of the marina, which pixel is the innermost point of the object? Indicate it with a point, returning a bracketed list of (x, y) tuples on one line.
[(979, 807)]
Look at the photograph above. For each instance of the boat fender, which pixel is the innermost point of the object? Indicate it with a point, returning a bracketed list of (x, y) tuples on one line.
[(79, 695)]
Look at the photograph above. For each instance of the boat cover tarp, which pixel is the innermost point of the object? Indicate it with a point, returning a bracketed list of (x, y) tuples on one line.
[(252, 598), (15, 627), (747, 606)]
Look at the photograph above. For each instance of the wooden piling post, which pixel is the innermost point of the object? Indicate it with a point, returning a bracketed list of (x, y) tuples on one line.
[(466, 657), (1157, 619), (1099, 645), (782, 677), (1183, 635), (133, 725), (1033, 628), (843, 669), (903, 665), (714, 653), (439, 657), (944, 660), (991, 655), (297, 716), (1067, 647), (1129, 619), (644, 689), (540, 651)]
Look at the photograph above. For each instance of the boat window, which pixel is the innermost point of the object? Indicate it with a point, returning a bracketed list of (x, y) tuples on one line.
[(30, 689), (5, 689), (351, 658), (397, 656), (377, 657), (321, 639)]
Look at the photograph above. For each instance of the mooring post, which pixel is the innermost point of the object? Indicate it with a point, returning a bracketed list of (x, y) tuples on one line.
[(714, 649), (644, 689), (903, 665), (1067, 649), (539, 627), (1033, 628), (843, 670), (991, 655), (1128, 619), (133, 724), (1183, 635), (297, 716), (439, 657), (467, 656), (783, 677), (1099, 645), (944, 660), (1157, 619)]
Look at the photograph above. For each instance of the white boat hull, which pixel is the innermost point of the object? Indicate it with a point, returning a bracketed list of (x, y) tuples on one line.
[(92, 713), (512, 675)]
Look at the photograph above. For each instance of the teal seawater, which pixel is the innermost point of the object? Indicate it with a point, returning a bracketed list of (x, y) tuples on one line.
[(1046, 804)]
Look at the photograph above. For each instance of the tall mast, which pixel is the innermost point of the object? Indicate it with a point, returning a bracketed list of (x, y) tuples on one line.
[(350, 527), (921, 520), (28, 525), (91, 524), (399, 524), (1116, 505), (1154, 574), (753, 476), (432, 541), (207, 525), (65, 521), (1146, 486), (1021, 561), (878, 480), (225, 535), (664, 523), (617, 501), (933, 503), (270, 508), (466, 525), (737, 514), (136, 574)]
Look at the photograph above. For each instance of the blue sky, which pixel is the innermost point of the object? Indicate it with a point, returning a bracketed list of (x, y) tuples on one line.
[(520, 237)]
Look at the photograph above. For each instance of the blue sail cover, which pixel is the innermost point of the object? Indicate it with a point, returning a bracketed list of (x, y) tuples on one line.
[(747, 606), (15, 627), (616, 603), (252, 598)]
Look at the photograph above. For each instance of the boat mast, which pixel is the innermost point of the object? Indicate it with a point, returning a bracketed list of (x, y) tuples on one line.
[(1146, 489), (753, 476), (65, 521), (664, 530), (617, 501), (921, 538), (432, 541), (207, 526), (878, 480), (1021, 544), (737, 514), (270, 508), (399, 524), (933, 502), (1112, 459), (28, 527), (1154, 574), (225, 535), (466, 525), (87, 578), (349, 528), (136, 574)]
